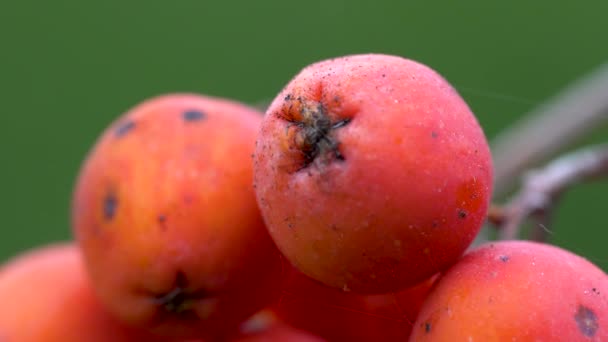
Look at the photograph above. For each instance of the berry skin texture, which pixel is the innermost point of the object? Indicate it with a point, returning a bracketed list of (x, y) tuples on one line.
[(264, 326), (371, 172), (517, 291), (345, 316), (165, 213), (280, 332), (46, 296)]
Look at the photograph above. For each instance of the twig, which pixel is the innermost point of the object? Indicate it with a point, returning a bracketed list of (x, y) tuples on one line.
[(543, 132), (542, 188)]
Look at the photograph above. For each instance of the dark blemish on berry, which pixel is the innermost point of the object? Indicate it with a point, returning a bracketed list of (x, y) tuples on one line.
[(288, 97), (596, 291), (427, 327), (586, 320), (462, 214), (109, 206), (504, 258), (124, 128), (435, 224), (162, 221), (383, 75), (434, 135), (193, 115)]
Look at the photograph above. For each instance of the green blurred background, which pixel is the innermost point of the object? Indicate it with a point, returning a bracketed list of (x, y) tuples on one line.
[(67, 68)]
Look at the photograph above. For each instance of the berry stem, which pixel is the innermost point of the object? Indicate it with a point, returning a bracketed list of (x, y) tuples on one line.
[(542, 133), (542, 189)]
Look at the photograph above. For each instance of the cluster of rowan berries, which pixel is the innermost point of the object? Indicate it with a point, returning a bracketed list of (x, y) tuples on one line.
[(345, 212)]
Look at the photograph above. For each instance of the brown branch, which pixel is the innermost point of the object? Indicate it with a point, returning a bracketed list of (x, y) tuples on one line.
[(558, 123), (542, 188)]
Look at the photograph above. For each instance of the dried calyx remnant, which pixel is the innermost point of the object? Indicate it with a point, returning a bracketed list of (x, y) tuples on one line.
[(315, 138), (179, 300)]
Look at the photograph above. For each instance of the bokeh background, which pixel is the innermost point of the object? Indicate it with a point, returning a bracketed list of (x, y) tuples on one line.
[(69, 67)]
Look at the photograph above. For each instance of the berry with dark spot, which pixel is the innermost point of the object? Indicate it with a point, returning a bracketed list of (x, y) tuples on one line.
[(541, 294), (168, 221), (348, 143)]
